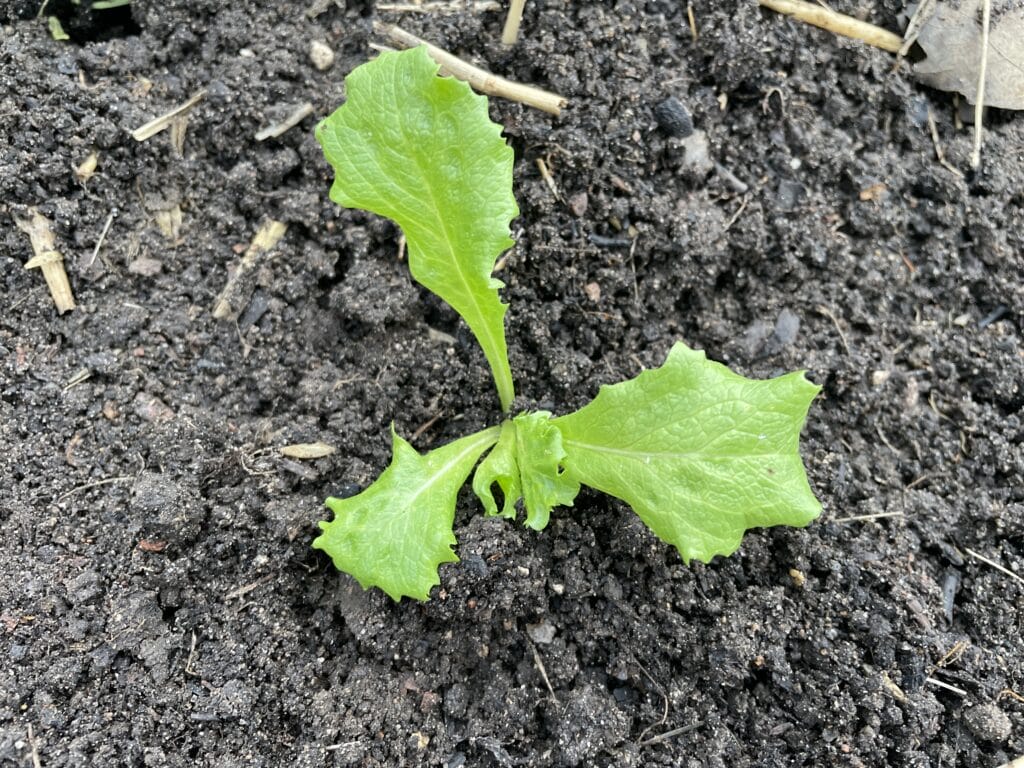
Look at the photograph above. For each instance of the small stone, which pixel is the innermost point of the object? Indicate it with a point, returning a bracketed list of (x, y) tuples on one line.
[(988, 723), (791, 194), (150, 408), (593, 291), (146, 267), (84, 588), (429, 701), (674, 118), (542, 633), (321, 55), (697, 155), (578, 204), (154, 492)]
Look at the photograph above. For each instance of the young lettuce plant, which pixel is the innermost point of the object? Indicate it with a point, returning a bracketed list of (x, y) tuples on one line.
[(700, 453)]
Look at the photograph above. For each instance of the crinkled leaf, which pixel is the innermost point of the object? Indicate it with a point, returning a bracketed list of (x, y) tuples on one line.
[(421, 150), (396, 533), (526, 463), (540, 454), (699, 452)]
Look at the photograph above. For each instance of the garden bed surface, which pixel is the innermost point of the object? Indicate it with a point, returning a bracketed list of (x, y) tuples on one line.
[(160, 601)]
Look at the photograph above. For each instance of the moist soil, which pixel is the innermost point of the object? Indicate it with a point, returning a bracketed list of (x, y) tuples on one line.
[(161, 604)]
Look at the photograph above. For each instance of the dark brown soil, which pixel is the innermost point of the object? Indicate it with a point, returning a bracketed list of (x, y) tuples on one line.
[(829, 238)]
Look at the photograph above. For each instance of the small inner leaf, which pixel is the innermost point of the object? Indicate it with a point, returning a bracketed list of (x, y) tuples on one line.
[(700, 453), (396, 533), (421, 150), (500, 466), (526, 463)]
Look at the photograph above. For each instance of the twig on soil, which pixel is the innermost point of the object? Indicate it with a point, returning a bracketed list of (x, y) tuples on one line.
[(735, 182), (34, 746), (342, 745), (884, 439), (47, 257), (862, 518), (548, 179), (446, 7), (837, 23), (543, 672), (739, 212), (664, 699), (230, 301), (320, 6), (670, 734), (157, 124), (954, 654), (979, 101), (308, 451), (245, 590), (1009, 692), (510, 34), (425, 426), (924, 12), (99, 243), (693, 21), (947, 686), (82, 376), (823, 310), (939, 154), (191, 658), (632, 267), (277, 129), (483, 81), (179, 127), (97, 484), (994, 564)]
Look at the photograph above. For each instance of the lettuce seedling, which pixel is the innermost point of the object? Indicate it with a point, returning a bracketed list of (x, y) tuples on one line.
[(700, 453)]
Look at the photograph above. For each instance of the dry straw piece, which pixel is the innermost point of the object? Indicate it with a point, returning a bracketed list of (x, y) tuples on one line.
[(234, 296), (48, 258), (480, 79)]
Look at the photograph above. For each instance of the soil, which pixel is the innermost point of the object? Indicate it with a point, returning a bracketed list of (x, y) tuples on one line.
[(161, 605)]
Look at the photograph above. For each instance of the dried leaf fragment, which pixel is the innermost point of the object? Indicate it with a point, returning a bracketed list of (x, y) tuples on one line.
[(315, 450), (951, 39), (85, 170)]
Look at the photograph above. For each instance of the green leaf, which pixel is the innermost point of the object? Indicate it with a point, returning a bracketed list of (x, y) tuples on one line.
[(396, 533), (421, 150), (699, 452), (500, 466), (526, 463), (56, 28)]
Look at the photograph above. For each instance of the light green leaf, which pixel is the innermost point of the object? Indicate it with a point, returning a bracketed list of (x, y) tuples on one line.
[(421, 150), (396, 533), (526, 463), (500, 466), (700, 453)]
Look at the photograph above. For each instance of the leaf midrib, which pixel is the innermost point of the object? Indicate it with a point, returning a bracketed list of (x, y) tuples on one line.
[(640, 455), (479, 318), (484, 437)]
